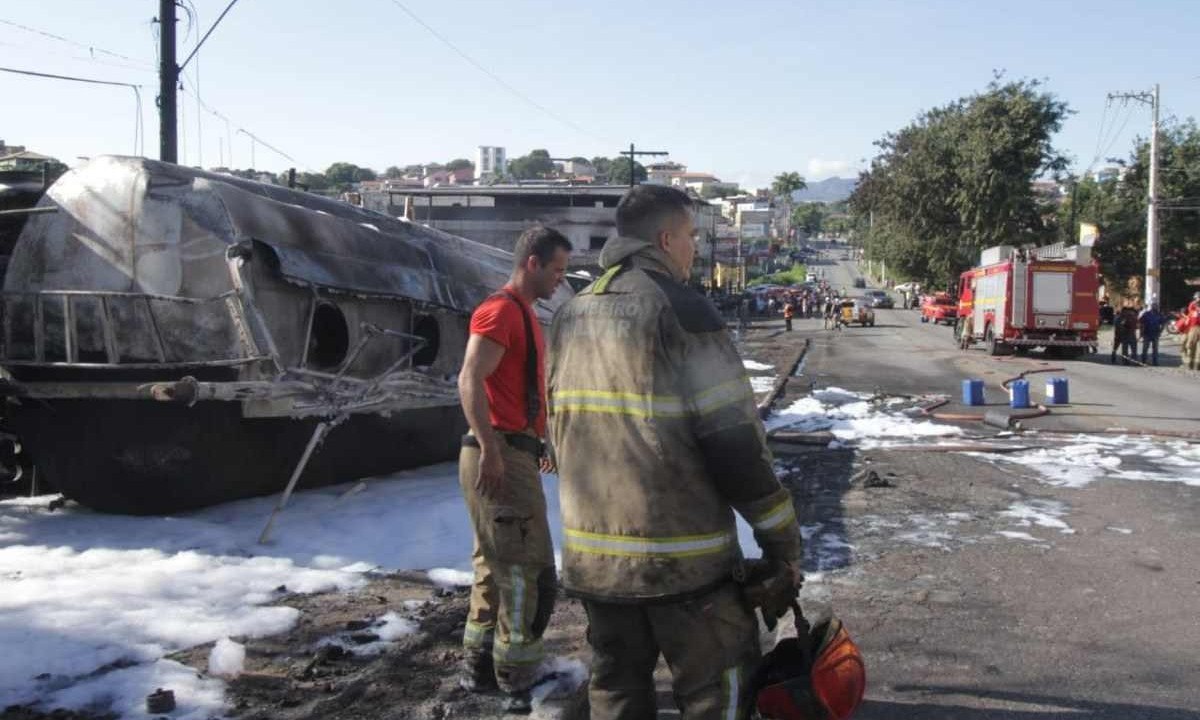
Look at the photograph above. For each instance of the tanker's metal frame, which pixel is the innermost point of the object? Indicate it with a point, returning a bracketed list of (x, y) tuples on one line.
[(172, 338)]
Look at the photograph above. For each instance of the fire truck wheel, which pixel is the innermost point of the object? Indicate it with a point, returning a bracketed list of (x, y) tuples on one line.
[(994, 346)]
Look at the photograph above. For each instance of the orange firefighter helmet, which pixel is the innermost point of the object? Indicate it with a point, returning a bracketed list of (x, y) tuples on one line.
[(818, 675)]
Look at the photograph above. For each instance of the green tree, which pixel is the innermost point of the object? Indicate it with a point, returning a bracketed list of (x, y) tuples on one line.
[(618, 172), (958, 179), (603, 168), (782, 188), (809, 217), (719, 190), (341, 173), (459, 164), (1118, 207), (536, 164), (393, 173)]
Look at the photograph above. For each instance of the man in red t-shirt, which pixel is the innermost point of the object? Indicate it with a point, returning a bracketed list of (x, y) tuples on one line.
[(503, 389)]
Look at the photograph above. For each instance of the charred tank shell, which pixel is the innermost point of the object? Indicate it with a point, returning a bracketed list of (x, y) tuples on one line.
[(279, 308)]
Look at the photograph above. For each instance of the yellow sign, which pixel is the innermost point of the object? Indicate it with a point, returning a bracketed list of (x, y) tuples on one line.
[(1089, 233)]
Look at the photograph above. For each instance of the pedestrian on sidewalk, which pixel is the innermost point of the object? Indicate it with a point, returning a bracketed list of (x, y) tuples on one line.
[(658, 443), (1150, 323), (502, 385), (1125, 327), (788, 310)]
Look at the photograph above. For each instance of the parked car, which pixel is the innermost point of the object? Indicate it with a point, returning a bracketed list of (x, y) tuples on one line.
[(939, 307), (879, 299), (860, 282), (907, 287), (856, 311)]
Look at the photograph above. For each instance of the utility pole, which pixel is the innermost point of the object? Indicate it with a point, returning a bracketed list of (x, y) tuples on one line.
[(1151, 291), (168, 79), (632, 153)]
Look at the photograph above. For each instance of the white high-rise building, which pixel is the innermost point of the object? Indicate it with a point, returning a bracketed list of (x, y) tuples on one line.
[(490, 162)]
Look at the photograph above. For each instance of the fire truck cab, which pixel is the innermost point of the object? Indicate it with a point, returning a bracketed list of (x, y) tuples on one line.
[(1019, 299)]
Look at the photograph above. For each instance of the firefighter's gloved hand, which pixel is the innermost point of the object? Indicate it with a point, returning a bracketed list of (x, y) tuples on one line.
[(771, 586)]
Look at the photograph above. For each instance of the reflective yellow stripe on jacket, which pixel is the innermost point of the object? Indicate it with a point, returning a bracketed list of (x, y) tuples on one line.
[(632, 546), (619, 403), (777, 517), (647, 405)]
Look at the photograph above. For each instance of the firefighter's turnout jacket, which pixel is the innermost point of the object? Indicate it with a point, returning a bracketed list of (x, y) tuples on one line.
[(657, 438)]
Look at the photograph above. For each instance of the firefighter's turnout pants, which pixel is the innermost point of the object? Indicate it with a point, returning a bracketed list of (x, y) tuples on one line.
[(710, 644), (515, 583), (1191, 346)]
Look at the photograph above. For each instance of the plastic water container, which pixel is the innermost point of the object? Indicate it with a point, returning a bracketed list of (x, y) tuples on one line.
[(1056, 391), (972, 392), (1018, 394)]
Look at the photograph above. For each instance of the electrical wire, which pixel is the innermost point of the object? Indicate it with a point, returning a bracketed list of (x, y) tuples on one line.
[(1099, 137), (206, 108), (1117, 135), (194, 18), (496, 78), (90, 48), (137, 124)]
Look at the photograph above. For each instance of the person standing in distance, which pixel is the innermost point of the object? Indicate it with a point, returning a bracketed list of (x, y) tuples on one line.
[(502, 386), (658, 442)]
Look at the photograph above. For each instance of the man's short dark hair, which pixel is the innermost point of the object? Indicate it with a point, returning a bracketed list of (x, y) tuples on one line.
[(539, 242), (647, 210)]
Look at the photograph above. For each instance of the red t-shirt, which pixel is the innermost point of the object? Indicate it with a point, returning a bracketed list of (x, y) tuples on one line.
[(499, 319)]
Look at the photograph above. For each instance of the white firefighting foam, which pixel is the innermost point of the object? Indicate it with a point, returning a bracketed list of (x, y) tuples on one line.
[(852, 417)]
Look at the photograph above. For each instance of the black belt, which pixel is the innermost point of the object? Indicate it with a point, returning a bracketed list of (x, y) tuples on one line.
[(519, 441)]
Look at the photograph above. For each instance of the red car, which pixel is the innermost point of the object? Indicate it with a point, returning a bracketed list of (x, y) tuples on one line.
[(939, 307)]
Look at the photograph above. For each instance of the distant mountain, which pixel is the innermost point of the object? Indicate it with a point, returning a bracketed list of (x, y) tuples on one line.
[(831, 190)]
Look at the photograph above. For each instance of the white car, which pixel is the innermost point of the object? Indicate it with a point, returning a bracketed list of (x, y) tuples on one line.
[(907, 287)]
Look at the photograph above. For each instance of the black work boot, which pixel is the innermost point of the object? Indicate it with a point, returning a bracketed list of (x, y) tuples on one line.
[(477, 673)]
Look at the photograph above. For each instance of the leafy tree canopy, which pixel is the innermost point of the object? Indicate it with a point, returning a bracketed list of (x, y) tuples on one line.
[(1118, 207), (536, 164), (618, 172), (958, 179)]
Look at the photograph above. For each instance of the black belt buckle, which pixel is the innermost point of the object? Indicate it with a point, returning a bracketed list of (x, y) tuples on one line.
[(519, 441), (524, 442)]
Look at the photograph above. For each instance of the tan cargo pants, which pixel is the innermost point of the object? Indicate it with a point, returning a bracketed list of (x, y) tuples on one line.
[(515, 583), (1191, 345), (710, 645)]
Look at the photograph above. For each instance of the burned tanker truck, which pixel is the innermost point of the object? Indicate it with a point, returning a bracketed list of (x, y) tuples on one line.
[(174, 338)]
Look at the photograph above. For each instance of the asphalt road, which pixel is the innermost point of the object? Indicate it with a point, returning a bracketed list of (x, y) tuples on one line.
[(1095, 617)]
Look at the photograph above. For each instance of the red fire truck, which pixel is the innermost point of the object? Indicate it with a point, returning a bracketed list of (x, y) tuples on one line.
[(1019, 299)]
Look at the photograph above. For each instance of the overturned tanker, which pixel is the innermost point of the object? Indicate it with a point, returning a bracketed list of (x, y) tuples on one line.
[(174, 338)]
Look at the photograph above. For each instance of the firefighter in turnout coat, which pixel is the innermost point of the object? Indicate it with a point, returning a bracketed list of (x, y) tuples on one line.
[(658, 442)]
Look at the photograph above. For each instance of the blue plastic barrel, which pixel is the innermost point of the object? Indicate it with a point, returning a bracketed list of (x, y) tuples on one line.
[(972, 392), (1018, 394), (1056, 391)]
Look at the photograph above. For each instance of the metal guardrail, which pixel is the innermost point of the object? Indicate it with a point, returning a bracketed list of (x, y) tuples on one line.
[(66, 301)]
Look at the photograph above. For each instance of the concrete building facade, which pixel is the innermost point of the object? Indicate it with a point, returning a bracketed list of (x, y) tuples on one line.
[(490, 161)]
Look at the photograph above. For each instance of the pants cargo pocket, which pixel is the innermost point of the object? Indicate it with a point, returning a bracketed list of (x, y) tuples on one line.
[(510, 535)]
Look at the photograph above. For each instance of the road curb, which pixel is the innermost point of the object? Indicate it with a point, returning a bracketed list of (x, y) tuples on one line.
[(764, 407)]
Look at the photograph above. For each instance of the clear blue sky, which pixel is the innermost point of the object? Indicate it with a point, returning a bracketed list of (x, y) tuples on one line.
[(742, 89)]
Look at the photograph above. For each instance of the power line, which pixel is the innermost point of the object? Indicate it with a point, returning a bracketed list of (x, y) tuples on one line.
[(221, 17), (90, 48), (254, 138), (138, 134), (499, 81), (67, 77)]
